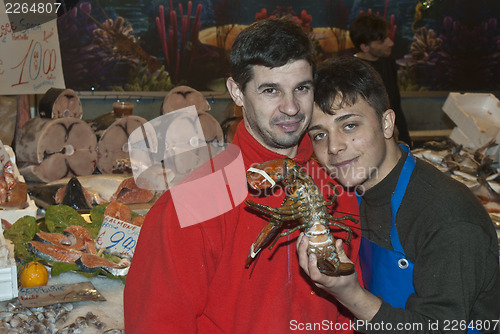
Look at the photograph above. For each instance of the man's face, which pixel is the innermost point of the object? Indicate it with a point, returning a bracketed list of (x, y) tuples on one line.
[(351, 144), (380, 49), (277, 104)]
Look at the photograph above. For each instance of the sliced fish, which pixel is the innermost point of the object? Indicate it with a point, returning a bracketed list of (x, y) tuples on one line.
[(104, 184), (81, 237), (52, 252), (128, 192), (91, 263)]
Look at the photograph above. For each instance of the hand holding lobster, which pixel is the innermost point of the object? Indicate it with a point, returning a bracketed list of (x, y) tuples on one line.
[(304, 208)]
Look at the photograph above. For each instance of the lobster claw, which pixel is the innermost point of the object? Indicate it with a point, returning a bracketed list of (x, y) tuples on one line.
[(265, 237)]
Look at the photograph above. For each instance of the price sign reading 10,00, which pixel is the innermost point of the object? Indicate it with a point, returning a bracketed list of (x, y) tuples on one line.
[(35, 61)]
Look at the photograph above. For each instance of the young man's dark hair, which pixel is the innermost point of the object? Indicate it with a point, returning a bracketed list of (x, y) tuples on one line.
[(333, 92), (367, 28)]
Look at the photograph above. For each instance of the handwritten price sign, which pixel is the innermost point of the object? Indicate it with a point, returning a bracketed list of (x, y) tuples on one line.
[(117, 237), (30, 58)]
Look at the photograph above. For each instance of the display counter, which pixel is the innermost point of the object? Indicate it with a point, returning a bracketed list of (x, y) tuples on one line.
[(108, 313)]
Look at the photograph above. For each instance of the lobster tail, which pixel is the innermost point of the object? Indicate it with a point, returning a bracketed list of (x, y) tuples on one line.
[(328, 267)]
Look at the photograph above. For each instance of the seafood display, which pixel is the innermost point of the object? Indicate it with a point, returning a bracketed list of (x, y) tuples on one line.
[(474, 168), (113, 142), (129, 192), (48, 319), (66, 240), (57, 103), (304, 208), (76, 246), (74, 195), (51, 149), (84, 192), (13, 192)]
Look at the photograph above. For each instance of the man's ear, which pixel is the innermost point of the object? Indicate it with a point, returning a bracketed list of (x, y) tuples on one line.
[(388, 122), (235, 92), (364, 47)]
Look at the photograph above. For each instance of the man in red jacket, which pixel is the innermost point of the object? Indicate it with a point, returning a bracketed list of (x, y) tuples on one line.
[(193, 279)]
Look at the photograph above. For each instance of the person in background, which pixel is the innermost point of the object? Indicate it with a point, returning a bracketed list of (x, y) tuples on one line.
[(429, 251), (193, 279), (370, 35)]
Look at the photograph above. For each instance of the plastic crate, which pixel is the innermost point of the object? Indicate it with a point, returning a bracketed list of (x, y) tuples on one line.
[(476, 115), (477, 119)]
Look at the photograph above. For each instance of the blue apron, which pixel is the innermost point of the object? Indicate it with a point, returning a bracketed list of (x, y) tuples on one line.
[(389, 273)]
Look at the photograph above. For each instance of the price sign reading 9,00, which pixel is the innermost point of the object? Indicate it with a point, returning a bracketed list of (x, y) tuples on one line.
[(35, 64)]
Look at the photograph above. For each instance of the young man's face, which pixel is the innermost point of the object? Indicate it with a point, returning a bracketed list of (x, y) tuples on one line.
[(277, 104), (380, 49), (351, 144)]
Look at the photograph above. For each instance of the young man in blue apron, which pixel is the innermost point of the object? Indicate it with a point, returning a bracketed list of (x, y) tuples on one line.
[(429, 250)]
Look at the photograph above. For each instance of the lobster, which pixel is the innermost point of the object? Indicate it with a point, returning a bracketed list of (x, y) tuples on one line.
[(304, 208)]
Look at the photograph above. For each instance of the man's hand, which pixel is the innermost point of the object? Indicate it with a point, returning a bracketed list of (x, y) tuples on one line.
[(346, 289), (331, 284)]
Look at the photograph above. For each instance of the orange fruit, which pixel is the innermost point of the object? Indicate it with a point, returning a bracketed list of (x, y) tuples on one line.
[(33, 274)]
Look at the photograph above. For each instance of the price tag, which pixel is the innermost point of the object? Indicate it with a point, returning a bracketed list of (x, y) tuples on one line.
[(117, 237), (30, 57)]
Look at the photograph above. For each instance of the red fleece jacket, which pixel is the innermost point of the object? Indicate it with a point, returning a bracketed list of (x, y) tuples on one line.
[(194, 280)]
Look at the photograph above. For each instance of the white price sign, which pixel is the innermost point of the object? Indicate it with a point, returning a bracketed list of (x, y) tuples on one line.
[(30, 58), (117, 237)]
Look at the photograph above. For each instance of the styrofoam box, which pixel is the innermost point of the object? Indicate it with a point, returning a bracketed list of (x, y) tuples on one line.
[(477, 116), (8, 274), (8, 283), (13, 215)]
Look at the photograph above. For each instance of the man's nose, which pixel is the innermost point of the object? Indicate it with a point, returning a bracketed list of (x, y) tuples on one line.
[(290, 105), (336, 144)]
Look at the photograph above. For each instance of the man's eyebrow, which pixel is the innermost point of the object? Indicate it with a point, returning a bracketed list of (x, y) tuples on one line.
[(337, 120), (344, 117), (315, 127), (267, 85), (305, 83)]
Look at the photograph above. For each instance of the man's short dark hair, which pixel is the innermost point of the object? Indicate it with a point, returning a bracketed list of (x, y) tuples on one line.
[(342, 81), (270, 43), (367, 28)]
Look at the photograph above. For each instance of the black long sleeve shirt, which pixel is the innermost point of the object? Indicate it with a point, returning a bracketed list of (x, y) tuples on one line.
[(449, 236)]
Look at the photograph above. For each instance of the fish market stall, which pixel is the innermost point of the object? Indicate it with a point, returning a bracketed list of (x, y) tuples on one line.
[(71, 231), (81, 226), (84, 294)]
